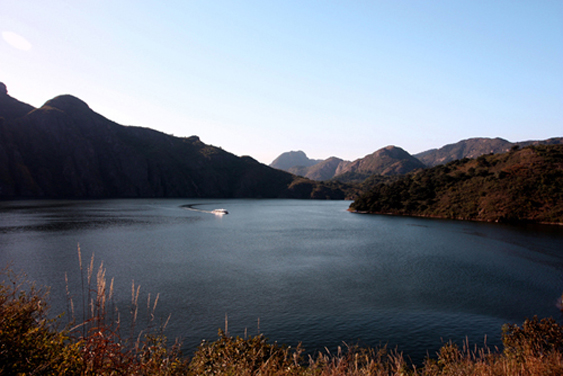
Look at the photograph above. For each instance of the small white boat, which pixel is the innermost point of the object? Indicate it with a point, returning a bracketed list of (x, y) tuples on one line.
[(219, 212)]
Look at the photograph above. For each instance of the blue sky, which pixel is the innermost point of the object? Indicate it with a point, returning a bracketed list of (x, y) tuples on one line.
[(331, 78)]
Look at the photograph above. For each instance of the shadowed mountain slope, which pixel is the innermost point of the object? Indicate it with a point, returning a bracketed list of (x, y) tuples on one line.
[(65, 150), (11, 108)]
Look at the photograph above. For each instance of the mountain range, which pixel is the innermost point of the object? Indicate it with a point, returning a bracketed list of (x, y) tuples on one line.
[(66, 150), (475, 147), (392, 160)]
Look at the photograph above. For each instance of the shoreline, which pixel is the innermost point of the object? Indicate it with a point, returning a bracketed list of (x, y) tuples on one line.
[(521, 221)]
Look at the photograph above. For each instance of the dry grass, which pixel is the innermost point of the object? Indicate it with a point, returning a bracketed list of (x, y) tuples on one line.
[(104, 349)]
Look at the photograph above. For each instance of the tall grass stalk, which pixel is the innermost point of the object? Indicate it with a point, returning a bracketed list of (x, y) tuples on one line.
[(99, 335)]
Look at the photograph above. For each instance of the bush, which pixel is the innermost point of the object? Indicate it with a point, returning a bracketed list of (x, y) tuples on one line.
[(244, 356), (536, 338), (32, 344), (29, 342)]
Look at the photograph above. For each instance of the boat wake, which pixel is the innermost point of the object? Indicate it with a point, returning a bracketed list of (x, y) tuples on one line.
[(192, 207)]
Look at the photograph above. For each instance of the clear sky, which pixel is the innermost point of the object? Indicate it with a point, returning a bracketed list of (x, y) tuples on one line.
[(331, 78)]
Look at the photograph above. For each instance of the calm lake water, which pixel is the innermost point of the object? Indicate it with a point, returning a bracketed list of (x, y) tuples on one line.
[(297, 271)]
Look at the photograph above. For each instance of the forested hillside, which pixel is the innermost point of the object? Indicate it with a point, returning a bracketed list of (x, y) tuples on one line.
[(521, 185)]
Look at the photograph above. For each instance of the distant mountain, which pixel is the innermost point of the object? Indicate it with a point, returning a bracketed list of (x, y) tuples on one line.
[(520, 185), (321, 171), (387, 162), (390, 160), (292, 159), (473, 148), (549, 141), (65, 150)]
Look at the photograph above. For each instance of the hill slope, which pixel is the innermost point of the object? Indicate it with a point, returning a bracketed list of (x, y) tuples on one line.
[(519, 185), (66, 150), (324, 170), (388, 161)]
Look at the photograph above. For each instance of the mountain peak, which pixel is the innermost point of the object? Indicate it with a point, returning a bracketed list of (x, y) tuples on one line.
[(11, 108), (390, 160), (391, 149), (292, 159), (67, 103)]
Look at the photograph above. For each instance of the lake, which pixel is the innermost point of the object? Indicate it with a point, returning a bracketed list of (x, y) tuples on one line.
[(295, 270)]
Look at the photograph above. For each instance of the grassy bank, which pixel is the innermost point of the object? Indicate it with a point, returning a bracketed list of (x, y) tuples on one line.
[(98, 344)]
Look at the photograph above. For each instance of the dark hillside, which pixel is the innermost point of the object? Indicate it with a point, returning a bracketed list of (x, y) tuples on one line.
[(11, 108), (521, 185), (66, 150)]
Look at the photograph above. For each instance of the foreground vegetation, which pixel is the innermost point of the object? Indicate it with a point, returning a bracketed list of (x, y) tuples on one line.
[(521, 185), (33, 344)]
